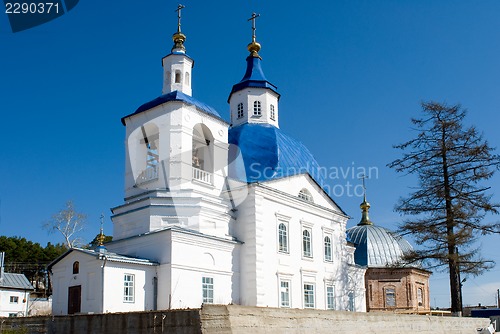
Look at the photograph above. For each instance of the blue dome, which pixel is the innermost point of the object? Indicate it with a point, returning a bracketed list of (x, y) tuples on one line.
[(254, 77), (267, 153), (377, 246)]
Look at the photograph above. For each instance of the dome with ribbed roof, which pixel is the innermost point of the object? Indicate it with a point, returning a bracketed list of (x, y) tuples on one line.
[(376, 246)]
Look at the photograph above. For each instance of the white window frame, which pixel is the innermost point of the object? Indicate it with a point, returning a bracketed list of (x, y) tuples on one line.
[(388, 291), (257, 108), (207, 288), (420, 296), (308, 292), (285, 303), (307, 243), (305, 195), (327, 256), (272, 112), (330, 297), (129, 288), (14, 300), (240, 111), (285, 247), (351, 301)]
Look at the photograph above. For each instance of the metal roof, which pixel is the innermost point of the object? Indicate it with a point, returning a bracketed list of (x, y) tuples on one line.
[(110, 256), (175, 96), (268, 153), (15, 281), (254, 77), (377, 246)]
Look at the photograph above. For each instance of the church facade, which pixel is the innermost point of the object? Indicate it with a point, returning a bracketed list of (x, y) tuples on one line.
[(215, 211)]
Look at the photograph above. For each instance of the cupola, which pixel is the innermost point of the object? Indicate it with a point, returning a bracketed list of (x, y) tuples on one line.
[(254, 99)]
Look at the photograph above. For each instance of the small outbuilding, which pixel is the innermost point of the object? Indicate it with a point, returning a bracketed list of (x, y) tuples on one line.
[(390, 285), (15, 292)]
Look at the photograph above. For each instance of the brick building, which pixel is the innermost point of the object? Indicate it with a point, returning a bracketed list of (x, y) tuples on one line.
[(390, 286)]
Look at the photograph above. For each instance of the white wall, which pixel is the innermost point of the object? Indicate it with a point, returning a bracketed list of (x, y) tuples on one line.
[(185, 257), (18, 308), (114, 287), (262, 265), (89, 278), (194, 257)]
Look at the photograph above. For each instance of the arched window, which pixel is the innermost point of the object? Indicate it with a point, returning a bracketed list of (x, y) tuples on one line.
[(328, 248), (240, 110), (390, 297), (151, 140), (257, 109), (306, 243), (177, 76), (351, 302), (305, 195), (420, 297), (272, 115), (282, 238), (202, 154), (76, 267), (186, 80)]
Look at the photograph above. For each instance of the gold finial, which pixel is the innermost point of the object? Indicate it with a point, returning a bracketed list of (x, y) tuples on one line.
[(365, 206), (100, 238), (254, 47), (179, 38)]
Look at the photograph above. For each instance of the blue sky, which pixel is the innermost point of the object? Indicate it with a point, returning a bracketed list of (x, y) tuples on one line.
[(351, 75)]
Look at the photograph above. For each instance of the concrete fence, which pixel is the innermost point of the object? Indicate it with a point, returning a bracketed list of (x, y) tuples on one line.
[(240, 319)]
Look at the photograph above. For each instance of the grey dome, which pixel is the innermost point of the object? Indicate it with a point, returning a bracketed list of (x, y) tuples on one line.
[(377, 246)]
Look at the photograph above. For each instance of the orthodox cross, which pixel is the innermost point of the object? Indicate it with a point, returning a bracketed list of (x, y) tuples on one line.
[(100, 239), (253, 18), (178, 10), (363, 177)]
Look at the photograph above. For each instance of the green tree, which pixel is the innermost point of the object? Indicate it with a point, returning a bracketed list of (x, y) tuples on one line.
[(29, 258), (447, 210), (69, 223)]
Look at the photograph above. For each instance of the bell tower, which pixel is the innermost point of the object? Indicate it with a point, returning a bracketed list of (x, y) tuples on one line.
[(176, 158), (177, 65)]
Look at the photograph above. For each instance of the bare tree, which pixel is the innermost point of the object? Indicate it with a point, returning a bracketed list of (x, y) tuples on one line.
[(447, 210), (69, 223)]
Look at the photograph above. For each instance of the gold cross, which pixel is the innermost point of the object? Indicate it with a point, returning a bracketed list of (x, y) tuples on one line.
[(363, 177), (253, 19), (178, 10)]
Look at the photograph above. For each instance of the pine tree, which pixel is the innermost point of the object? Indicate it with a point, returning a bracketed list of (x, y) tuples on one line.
[(447, 210)]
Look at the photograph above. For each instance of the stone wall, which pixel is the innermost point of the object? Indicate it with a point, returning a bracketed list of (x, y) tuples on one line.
[(238, 319), (222, 319), (178, 321)]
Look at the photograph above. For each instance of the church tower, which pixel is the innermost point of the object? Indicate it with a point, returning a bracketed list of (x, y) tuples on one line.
[(254, 99), (176, 157), (177, 65)]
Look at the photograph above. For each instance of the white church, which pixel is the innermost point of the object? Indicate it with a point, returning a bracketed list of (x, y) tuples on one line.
[(215, 211)]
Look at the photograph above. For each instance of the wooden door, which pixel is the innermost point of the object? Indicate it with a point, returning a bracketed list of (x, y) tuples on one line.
[(74, 299)]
